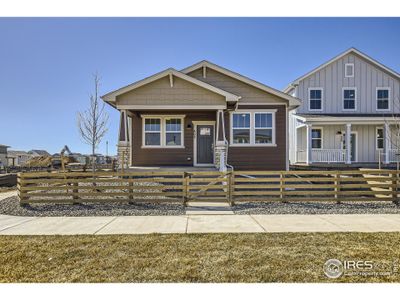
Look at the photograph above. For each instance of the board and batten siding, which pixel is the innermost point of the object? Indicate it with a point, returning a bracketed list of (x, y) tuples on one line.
[(331, 78)]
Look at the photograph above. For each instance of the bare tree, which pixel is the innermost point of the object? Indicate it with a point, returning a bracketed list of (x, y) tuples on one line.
[(92, 123)]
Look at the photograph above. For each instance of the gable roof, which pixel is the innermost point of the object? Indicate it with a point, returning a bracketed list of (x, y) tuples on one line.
[(111, 97), (39, 152), (348, 51), (204, 63)]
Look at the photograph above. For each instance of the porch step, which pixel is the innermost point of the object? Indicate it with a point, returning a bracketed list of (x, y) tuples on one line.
[(208, 208)]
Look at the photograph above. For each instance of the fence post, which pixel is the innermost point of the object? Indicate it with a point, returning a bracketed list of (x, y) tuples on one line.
[(75, 191), (231, 184), (185, 188), (22, 195), (394, 187), (130, 189), (337, 186), (281, 187)]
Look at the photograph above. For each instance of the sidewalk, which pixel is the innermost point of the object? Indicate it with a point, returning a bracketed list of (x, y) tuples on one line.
[(197, 220), (10, 225)]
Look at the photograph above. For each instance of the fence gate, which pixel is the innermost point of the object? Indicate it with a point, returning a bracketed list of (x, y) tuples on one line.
[(207, 186)]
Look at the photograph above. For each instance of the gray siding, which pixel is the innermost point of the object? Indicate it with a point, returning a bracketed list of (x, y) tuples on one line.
[(366, 79)]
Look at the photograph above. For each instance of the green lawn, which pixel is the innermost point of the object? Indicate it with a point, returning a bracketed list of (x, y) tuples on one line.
[(279, 257)]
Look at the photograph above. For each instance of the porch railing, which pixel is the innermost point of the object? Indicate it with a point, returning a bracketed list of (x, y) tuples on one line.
[(394, 155), (323, 155)]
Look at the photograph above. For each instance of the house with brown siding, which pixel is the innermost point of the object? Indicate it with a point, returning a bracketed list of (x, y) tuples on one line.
[(204, 115)]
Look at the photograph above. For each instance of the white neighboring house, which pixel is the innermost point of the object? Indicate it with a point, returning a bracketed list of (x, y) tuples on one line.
[(350, 100), (17, 158)]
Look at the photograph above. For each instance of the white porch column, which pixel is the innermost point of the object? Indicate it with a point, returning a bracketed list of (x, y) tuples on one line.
[(308, 144), (348, 146), (386, 136)]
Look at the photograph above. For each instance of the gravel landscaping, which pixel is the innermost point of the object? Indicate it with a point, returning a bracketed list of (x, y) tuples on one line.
[(311, 208), (10, 206)]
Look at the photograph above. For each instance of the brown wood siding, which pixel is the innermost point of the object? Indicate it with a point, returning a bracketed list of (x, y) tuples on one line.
[(261, 158), (249, 94), (164, 156)]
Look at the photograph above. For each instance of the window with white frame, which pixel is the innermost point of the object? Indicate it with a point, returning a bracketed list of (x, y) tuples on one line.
[(173, 132), (349, 70), (241, 128), (379, 138), (253, 128), (382, 98), (152, 132), (163, 131), (316, 138), (315, 99), (263, 128), (349, 99)]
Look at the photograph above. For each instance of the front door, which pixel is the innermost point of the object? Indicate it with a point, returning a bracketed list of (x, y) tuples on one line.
[(205, 144)]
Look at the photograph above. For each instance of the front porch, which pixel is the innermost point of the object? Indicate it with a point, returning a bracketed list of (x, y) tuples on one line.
[(322, 140), (170, 140)]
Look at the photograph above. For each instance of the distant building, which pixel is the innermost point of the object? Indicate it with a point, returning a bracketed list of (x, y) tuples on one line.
[(3, 155), (39, 153), (17, 158)]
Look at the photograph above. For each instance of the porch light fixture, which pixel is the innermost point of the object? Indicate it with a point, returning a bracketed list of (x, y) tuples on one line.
[(189, 126), (339, 133)]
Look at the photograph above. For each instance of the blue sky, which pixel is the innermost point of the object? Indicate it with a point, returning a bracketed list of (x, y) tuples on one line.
[(46, 64)]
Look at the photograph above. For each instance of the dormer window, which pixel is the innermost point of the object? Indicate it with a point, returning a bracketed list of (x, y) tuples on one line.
[(349, 70)]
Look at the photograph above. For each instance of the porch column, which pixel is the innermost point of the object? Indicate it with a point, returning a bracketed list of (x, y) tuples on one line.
[(123, 140), (386, 138), (348, 146), (308, 144), (220, 149)]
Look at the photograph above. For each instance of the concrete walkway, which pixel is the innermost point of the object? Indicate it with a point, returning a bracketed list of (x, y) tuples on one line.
[(11, 225), (199, 219)]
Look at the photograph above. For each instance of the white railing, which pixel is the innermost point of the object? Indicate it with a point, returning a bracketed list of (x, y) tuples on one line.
[(394, 155), (301, 156), (328, 155), (323, 155)]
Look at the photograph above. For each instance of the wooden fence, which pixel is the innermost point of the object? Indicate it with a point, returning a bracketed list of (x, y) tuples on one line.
[(238, 186)]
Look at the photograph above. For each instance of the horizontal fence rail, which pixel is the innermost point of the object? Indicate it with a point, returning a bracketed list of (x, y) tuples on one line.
[(237, 186)]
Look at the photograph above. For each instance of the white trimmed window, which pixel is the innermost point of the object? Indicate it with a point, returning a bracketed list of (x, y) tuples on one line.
[(152, 132), (316, 138), (163, 131), (241, 128), (349, 99), (379, 138), (253, 128), (349, 70), (382, 99), (315, 99), (173, 132), (263, 128)]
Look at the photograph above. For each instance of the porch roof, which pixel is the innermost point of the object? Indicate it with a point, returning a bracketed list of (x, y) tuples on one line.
[(348, 118)]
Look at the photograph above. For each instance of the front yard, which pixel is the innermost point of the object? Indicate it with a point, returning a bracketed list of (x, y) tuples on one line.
[(280, 257)]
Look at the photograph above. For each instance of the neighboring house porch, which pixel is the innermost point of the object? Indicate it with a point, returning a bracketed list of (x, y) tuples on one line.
[(322, 139)]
